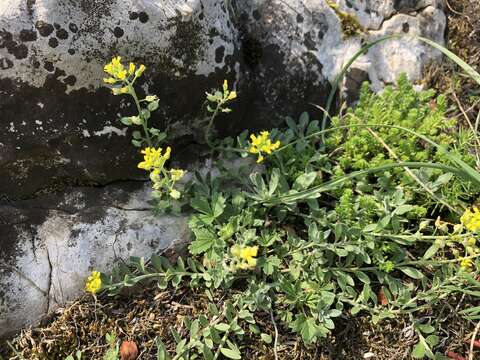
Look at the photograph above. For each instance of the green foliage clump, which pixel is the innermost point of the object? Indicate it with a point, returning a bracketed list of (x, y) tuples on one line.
[(400, 106), (321, 229)]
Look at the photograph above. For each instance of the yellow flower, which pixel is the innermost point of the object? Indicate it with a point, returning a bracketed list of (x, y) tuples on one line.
[(122, 75), (116, 69), (232, 95), (246, 254), (122, 90), (471, 219), (262, 144), (151, 98), (131, 69), (175, 194), (94, 283), (465, 263), (109, 80), (177, 174), (471, 241), (153, 158), (140, 71)]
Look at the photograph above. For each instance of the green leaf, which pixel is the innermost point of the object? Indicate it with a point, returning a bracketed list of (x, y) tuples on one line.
[(418, 351), (126, 121), (162, 353), (431, 251), (222, 327), (207, 353), (204, 240), (209, 211), (308, 328), (274, 181), (412, 272), (254, 328), (136, 143), (362, 277), (153, 106), (231, 354), (403, 209), (432, 340), (304, 181), (266, 338)]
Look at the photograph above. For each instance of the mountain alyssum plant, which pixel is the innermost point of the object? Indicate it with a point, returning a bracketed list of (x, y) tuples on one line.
[(360, 217)]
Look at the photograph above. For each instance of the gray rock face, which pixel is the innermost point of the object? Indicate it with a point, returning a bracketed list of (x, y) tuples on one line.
[(58, 243), (59, 128)]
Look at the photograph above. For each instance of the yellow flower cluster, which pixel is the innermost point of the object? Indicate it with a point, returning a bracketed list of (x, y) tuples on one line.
[(471, 219), (246, 255), (262, 144), (466, 263), (227, 94), (94, 283), (153, 159), (176, 174), (119, 73)]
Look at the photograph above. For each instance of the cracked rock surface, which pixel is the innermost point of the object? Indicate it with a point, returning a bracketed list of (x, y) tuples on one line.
[(48, 247), (59, 128)]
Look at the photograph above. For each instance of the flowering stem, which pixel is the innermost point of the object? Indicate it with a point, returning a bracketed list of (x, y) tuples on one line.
[(139, 109), (144, 277), (209, 126)]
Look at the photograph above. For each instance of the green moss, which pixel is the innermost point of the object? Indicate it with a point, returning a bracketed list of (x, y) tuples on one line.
[(350, 24)]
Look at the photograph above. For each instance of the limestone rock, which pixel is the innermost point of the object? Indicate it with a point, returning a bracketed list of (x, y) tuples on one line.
[(49, 247)]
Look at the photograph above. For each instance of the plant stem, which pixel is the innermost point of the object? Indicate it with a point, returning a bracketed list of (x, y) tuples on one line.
[(139, 109), (209, 127), (275, 343)]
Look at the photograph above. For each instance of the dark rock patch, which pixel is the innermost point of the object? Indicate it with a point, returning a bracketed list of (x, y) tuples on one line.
[(143, 17), (6, 63), (20, 51), (219, 54), (73, 27), (45, 29), (6, 39), (405, 5), (62, 34), (28, 35), (53, 42), (30, 5), (133, 15), (118, 32), (49, 66), (353, 82), (70, 80), (252, 51)]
